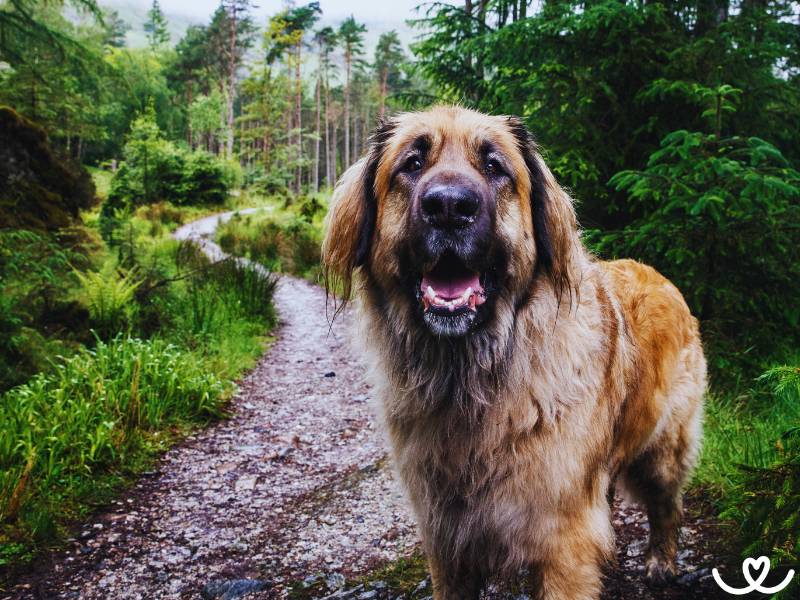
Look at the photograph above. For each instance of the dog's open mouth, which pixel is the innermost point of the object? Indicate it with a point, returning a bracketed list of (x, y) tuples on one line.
[(451, 288)]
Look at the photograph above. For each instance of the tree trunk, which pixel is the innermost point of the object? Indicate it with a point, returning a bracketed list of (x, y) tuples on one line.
[(298, 118), (328, 163), (335, 157), (231, 86), (356, 135), (315, 181), (347, 60), (222, 117)]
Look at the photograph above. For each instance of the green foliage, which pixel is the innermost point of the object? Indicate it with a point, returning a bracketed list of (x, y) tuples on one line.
[(23, 31), (601, 83), (721, 220), (156, 26), (35, 283), (288, 242), (108, 295), (92, 413)]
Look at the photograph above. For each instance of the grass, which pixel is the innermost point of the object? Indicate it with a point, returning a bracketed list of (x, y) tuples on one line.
[(743, 428), (94, 415)]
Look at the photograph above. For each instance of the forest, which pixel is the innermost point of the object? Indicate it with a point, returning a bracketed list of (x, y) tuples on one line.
[(673, 123)]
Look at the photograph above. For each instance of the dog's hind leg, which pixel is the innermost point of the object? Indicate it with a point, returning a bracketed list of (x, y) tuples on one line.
[(656, 478)]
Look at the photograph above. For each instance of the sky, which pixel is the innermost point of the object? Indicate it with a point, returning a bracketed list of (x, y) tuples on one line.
[(363, 10), (378, 15)]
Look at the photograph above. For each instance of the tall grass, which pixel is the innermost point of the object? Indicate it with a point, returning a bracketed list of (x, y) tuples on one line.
[(62, 431)]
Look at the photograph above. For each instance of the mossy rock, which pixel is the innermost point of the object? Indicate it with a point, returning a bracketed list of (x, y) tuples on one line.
[(38, 189)]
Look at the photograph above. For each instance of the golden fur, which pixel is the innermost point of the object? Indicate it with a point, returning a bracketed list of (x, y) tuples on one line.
[(509, 440)]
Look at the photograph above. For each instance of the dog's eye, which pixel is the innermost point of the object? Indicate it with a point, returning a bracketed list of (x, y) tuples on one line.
[(414, 163), (493, 167)]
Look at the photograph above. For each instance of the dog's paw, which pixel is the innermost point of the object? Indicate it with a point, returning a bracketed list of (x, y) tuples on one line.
[(659, 571)]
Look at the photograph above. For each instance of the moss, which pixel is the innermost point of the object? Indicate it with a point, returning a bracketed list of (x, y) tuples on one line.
[(38, 189)]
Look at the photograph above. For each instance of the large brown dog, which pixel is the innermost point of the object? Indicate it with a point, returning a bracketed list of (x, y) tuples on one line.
[(519, 377)]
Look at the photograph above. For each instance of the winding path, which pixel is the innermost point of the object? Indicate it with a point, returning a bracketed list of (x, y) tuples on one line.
[(295, 486)]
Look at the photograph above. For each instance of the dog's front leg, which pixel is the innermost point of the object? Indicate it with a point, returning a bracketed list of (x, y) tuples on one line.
[(454, 584), (572, 569)]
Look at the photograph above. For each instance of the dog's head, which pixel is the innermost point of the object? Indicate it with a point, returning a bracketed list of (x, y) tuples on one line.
[(452, 217)]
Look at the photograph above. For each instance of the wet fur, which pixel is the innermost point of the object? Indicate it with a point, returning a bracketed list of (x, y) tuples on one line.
[(508, 440)]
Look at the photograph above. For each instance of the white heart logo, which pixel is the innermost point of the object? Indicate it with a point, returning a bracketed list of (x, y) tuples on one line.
[(761, 566)]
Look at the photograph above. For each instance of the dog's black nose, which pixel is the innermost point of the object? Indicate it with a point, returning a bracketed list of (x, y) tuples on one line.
[(449, 206)]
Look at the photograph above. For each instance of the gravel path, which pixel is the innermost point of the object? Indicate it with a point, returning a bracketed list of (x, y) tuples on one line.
[(294, 487)]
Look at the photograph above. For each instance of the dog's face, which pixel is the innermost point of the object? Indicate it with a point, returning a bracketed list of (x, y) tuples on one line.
[(451, 216)]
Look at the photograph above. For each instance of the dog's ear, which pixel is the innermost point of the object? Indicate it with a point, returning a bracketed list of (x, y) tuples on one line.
[(350, 223), (554, 223)]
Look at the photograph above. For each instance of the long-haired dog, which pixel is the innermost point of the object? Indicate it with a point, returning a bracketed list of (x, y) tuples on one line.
[(519, 377)]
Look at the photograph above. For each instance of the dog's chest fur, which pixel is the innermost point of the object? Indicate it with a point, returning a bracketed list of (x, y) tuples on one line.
[(493, 437)]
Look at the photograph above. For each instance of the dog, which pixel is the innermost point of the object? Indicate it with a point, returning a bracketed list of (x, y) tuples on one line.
[(519, 378)]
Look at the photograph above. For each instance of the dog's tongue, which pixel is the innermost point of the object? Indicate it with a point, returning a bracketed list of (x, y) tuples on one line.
[(450, 287)]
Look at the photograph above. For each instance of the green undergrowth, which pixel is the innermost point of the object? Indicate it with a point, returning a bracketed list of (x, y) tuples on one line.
[(750, 466), (285, 237)]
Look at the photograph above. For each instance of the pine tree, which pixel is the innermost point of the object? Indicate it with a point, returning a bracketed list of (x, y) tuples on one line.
[(351, 36), (156, 27), (388, 57)]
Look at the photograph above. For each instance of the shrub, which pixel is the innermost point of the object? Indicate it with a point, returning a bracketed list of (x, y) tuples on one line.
[(206, 180), (156, 170), (36, 278), (63, 430), (290, 244)]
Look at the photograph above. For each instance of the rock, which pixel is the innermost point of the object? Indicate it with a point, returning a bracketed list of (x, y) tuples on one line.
[(368, 595), (330, 374), (232, 589), (335, 581), (423, 585), (690, 578)]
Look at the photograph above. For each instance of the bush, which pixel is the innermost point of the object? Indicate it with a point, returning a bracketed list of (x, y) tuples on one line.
[(206, 180), (108, 295), (63, 430), (36, 279), (156, 170)]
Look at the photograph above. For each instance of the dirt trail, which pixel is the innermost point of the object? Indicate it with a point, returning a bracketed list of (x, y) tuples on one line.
[(295, 486)]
